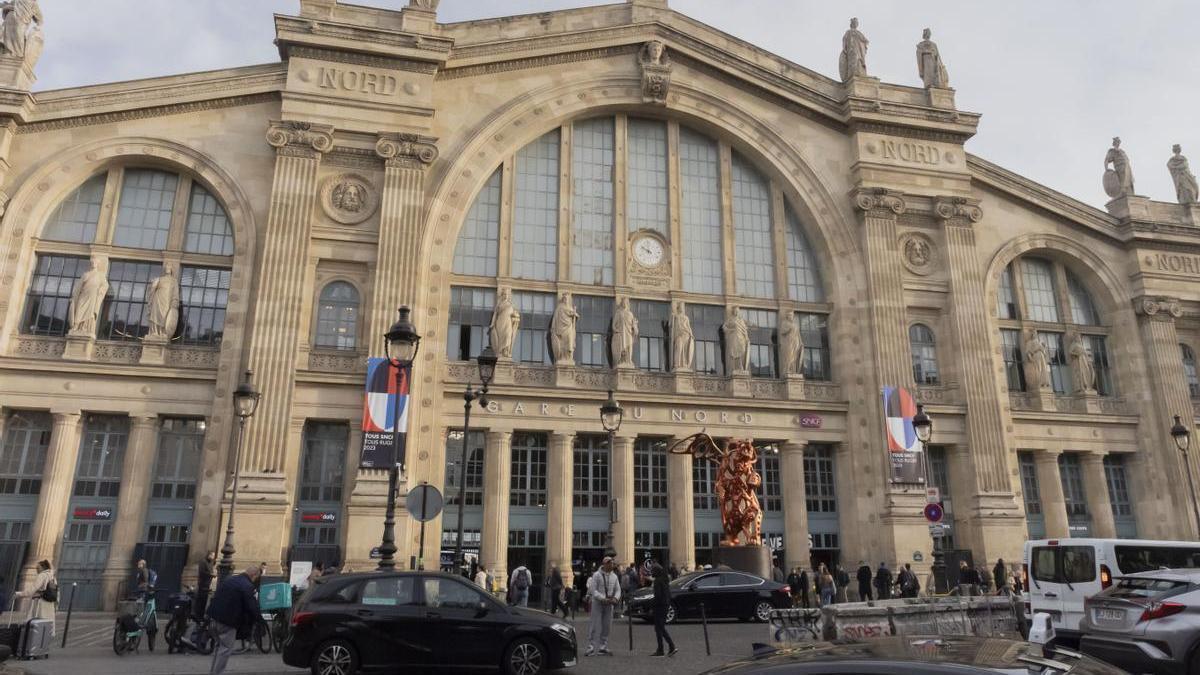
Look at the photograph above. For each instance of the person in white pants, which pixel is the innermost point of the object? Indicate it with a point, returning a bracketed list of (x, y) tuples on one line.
[(605, 590)]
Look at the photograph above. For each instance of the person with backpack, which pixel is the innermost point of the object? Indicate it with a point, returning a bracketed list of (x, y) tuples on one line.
[(44, 594), (519, 583), (842, 579), (825, 585), (145, 579), (864, 581), (662, 606), (910, 585), (557, 588)]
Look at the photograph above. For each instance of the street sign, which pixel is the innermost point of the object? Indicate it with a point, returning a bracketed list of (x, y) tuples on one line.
[(933, 513), (424, 502), (933, 495), (937, 529)]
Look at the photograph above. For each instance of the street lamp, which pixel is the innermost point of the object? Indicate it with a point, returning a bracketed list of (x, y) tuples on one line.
[(611, 414), (400, 343), (923, 426), (487, 369), (245, 402), (1183, 439)]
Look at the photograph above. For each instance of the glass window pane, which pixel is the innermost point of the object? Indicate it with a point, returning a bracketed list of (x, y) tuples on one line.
[(1060, 372), (819, 487), (706, 329), (123, 316), (528, 482), (752, 230), (204, 292), (337, 317), (470, 318), (1014, 372), (1083, 310), (101, 456), (532, 345), (208, 229), (646, 196), (592, 330), (49, 295), (924, 354), (1040, 295), (814, 329), (144, 215), (650, 473), (762, 324), (654, 319), (592, 160), (75, 218), (1071, 473), (591, 471), (474, 478), (322, 465), (804, 281), (1098, 346), (23, 452), (478, 245), (177, 462), (700, 177), (1006, 297), (535, 218), (1189, 370), (1118, 486), (1029, 484)]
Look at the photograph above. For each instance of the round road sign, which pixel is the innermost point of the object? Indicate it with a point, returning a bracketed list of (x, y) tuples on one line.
[(933, 513), (424, 502)]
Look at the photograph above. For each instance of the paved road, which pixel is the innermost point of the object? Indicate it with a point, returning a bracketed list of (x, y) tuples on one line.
[(89, 652)]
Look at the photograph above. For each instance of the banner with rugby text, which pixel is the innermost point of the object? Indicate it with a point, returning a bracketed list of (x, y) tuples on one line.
[(385, 414), (904, 450)]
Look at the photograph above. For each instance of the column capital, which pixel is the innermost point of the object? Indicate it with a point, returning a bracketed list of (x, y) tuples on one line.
[(300, 139), (1047, 455), (957, 210), (497, 434), (62, 417), (879, 202), (1157, 307), (406, 151), (1093, 455), (143, 421), (793, 447), (562, 435)]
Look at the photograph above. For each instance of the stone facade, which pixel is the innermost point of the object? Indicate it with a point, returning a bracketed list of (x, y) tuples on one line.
[(352, 166)]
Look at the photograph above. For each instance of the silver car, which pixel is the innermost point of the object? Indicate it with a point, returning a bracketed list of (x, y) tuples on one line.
[(1147, 622)]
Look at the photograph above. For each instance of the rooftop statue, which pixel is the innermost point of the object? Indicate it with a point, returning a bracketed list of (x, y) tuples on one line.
[(1185, 181), (929, 63), (736, 484), (17, 30), (1118, 181), (424, 4), (853, 61)]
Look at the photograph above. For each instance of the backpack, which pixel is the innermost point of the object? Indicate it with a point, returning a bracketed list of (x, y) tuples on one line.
[(522, 580), (50, 593)]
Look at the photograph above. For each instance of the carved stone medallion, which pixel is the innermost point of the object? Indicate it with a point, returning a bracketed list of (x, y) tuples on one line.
[(918, 253), (348, 198)]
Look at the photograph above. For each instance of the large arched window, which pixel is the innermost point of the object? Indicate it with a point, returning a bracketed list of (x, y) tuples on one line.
[(924, 354), (647, 206), (1189, 371), (138, 239), (1043, 297), (337, 317)]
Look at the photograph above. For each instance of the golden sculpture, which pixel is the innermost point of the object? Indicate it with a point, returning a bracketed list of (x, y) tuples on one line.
[(736, 482)]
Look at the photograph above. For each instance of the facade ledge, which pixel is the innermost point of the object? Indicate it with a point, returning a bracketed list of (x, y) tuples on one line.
[(1088, 406)]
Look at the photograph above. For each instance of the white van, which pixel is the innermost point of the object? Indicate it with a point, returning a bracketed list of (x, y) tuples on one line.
[(1059, 574)]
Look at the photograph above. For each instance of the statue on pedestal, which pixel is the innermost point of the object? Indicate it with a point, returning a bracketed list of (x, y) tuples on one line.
[(17, 28), (737, 341), (624, 334), (562, 331), (163, 302), (430, 5), (791, 346), (1083, 368), (1037, 363), (1118, 181), (1185, 181), (736, 483), (929, 63), (683, 340), (88, 298), (853, 61), (505, 322)]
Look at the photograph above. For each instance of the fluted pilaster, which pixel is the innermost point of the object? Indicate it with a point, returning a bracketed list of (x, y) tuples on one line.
[(560, 470), (622, 491), (1050, 490), (58, 476), (134, 500), (1095, 485), (497, 481), (795, 504), (880, 208), (682, 511)]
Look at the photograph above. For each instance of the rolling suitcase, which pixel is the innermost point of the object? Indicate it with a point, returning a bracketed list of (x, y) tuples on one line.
[(36, 635)]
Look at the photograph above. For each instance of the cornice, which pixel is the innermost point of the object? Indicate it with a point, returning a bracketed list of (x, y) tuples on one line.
[(145, 113), (1039, 195), (526, 63), (293, 32), (358, 59)]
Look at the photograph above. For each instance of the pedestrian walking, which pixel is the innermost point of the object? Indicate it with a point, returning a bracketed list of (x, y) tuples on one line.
[(206, 571), (557, 588), (233, 610), (776, 572), (673, 571), (805, 585), (968, 580), (604, 589), (985, 579), (864, 581), (825, 585), (662, 606), (842, 578), (628, 579), (519, 584), (1000, 574), (144, 579), (793, 582), (883, 582), (910, 585), (481, 579), (43, 594)]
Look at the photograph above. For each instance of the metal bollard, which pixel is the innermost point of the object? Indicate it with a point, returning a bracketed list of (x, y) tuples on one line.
[(629, 616), (704, 623), (70, 606)]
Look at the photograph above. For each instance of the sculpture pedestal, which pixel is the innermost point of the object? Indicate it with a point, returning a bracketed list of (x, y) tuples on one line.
[(795, 387), (79, 348), (1046, 399), (154, 351), (684, 384), (753, 559), (741, 384)]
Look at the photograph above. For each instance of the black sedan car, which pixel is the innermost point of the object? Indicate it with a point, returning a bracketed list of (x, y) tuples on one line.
[(725, 594), (919, 656), (348, 623)]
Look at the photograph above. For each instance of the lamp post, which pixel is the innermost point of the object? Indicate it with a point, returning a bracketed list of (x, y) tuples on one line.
[(487, 368), (611, 414), (245, 402), (923, 426), (1183, 439), (400, 343)]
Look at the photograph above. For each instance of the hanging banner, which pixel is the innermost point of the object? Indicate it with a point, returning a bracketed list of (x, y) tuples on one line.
[(904, 450), (385, 414)]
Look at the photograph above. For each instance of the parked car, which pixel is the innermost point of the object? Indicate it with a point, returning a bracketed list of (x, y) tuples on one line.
[(1146, 622), (725, 594), (1059, 574), (919, 656), (349, 623)]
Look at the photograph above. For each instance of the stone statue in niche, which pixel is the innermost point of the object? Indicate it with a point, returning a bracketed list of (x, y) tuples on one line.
[(349, 197), (624, 334), (88, 298), (853, 61), (737, 341), (1037, 362), (1118, 180), (656, 72), (18, 30), (791, 346), (683, 340), (1185, 181), (929, 63), (1083, 368), (562, 331), (163, 302), (505, 322)]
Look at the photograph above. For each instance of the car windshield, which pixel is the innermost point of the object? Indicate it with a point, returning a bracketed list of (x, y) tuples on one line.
[(1143, 588)]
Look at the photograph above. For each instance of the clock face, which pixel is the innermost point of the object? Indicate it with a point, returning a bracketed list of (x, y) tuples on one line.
[(648, 251)]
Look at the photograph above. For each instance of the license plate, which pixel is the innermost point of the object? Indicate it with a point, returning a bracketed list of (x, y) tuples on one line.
[(1110, 615)]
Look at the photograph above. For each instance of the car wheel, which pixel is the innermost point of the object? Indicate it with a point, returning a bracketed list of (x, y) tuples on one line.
[(1194, 662), (336, 657), (762, 611), (525, 656), (670, 614)]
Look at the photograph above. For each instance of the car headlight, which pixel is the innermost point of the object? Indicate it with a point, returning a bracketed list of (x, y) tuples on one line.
[(563, 630)]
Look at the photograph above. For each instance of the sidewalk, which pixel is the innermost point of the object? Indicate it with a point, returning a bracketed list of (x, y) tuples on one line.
[(102, 661)]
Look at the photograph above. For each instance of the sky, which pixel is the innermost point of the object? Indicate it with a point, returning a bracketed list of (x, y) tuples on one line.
[(1055, 80)]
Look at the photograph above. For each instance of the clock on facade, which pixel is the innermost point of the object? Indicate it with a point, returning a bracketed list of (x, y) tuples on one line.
[(648, 251)]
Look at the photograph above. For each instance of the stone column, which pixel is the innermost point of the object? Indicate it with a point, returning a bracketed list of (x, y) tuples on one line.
[(497, 483), (136, 477), (1054, 505), (58, 477), (560, 471), (795, 504), (682, 539), (622, 492), (1095, 484)]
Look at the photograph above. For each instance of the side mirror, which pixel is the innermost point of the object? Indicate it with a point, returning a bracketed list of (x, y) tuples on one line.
[(481, 609)]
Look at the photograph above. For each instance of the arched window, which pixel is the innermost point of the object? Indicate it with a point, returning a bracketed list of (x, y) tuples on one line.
[(752, 230), (1189, 371), (337, 317), (924, 354), (478, 244), (139, 238)]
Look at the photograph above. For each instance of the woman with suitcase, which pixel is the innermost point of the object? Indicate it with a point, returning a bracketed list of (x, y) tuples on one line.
[(37, 631)]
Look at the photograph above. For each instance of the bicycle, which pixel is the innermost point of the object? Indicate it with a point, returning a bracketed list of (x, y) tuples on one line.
[(177, 635), (135, 618)]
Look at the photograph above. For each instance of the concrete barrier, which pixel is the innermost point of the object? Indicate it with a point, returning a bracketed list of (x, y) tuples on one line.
[(982, 616)]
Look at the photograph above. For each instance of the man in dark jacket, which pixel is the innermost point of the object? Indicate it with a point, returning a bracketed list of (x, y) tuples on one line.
[(864, 581), (883, 582), (233, 607), (206, 571), (1000, 575), (662, 606)]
